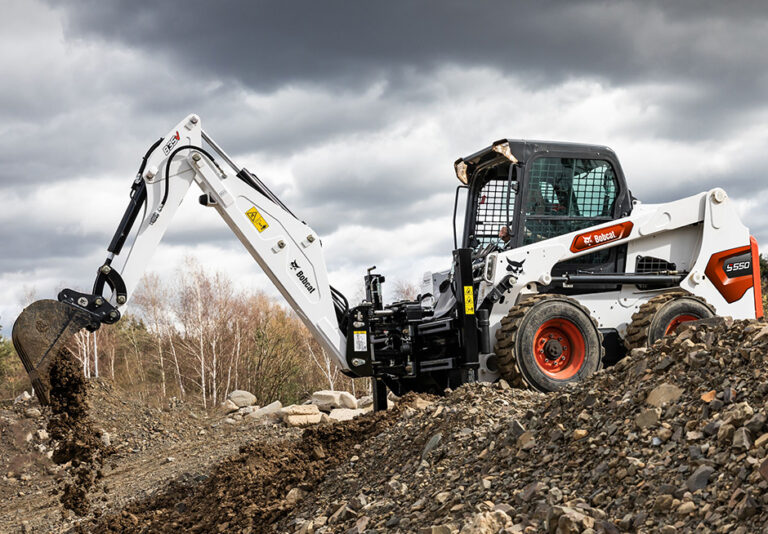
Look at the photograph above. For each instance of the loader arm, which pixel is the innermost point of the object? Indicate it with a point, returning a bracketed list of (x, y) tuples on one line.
[(287, 249)]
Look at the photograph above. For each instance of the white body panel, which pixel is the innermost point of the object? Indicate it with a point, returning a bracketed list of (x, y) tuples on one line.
[(686, 232)]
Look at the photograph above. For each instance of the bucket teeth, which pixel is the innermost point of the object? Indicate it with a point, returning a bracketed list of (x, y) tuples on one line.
[(41, 330)]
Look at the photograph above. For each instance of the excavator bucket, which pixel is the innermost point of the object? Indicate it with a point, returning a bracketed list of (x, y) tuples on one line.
[(42, 329)]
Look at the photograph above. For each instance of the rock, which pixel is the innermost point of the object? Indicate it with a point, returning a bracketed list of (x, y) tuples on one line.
[(648, 417), (344, 414), (579, 434), (700, 478), (228, 406), (761, 441), (725, 433), (245, 410), (365, 402), (347, 400), (22, 398), (664, 394), (709, 396), (300, 409), (487, 523), (302, 419), (420, 403), (106, 439), (746, 508), (230, 421), (764, 469), (686, 508), (32, 413), (268, 410), (360, 525), (516, 429), (42, 434), (432, 444), (242, 398), (327, 400), (737, 414), (756, 423), (294, 496), (526, 441), (567, 520), (663, 502), (742, 440)]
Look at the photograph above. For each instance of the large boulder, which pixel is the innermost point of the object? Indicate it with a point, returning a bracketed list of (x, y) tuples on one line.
[(228, 406), (270, 410), (345, 414), (242, 398), (301, 415), (300, 409), (327, 400), (347, 400)]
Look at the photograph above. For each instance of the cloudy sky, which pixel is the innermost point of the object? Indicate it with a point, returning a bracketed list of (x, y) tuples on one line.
[(354, 112)]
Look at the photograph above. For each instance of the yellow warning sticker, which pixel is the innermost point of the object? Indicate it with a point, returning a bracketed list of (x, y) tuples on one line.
[(469, 301), (257, 220), (360, 341)]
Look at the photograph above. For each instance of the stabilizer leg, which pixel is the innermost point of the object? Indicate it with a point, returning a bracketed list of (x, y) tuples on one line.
[(379, 389)]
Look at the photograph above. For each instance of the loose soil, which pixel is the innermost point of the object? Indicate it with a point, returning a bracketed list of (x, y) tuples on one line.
[(247, 493), (79, 446), (673, 439)]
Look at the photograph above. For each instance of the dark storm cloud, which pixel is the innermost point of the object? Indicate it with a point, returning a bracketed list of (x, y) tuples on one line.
[(715, 49)]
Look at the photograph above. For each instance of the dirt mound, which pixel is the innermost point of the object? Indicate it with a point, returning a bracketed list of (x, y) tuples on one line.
[(78, 443), (673, 439), (251, 490)]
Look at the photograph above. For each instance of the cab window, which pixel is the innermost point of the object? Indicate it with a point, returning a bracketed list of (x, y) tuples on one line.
[(567, 194)]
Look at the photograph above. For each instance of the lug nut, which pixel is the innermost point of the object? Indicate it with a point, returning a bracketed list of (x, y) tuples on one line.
[(99, 301), (281, 244), (311, 238), (82, 301), (121, 299), (106, 269), (196, 156)]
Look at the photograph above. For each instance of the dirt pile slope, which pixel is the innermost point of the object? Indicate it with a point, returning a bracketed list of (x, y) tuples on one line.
[(672, 440), (251, 490)]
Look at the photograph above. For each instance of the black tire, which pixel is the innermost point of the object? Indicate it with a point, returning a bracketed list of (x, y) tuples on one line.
[(661, 315), (558, 359)]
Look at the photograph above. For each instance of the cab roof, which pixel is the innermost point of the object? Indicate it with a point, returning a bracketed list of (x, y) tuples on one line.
[(520, 150)]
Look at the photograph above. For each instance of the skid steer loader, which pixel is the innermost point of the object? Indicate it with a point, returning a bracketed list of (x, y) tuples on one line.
[(558, 269)]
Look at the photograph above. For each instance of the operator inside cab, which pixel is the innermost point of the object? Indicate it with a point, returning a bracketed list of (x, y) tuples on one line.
[(504, 236)]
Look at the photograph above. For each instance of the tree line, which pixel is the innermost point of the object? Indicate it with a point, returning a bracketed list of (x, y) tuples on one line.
[(198, 339)]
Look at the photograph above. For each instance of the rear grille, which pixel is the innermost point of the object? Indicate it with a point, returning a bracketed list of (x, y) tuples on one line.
[(649, 264)]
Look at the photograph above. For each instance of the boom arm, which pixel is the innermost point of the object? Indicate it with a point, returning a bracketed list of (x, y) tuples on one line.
[(287, 249)]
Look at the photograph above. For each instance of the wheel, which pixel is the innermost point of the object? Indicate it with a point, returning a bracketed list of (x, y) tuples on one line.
[(548, 342), (661, 316)]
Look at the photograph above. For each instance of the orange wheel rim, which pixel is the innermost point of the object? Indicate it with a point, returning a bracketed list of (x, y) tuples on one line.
[(559, 348), (677, 321)]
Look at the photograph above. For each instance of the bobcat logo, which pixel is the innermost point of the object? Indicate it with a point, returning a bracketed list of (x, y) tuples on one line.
[(515, 267), (294, 265)]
